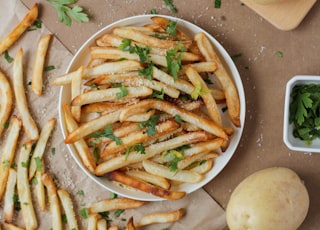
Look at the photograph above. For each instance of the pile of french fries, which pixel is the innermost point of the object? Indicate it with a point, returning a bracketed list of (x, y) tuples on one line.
[(143, 111), (23, 177)]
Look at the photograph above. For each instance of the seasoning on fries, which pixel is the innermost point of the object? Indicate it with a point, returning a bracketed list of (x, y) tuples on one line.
[(149, 113)]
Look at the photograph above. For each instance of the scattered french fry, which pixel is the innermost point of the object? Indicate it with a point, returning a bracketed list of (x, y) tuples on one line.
[(93, 221), (8, 209), (15, 34), (40, 190), (102, 224), (23, 186), (68, 209), (29, 124), (38, 67), (8, 152), (76, 91), (130, 224), (6, 100), (161, 217)]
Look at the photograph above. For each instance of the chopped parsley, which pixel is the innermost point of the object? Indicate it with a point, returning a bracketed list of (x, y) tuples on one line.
[(5, 163), (16, 202), (217, 4), (25, 164), (38, 163), (198, 91), (80, 192), (6, 124), (173, 63), (236, 56), (279, 54), (177, 118), (36, 25), (123, 90), (84, 213), (174, 157), (113, 195), (49, 67), (171, 28), (107, 132), (125, 44), (118, 212), (146, 72), (96, 154), (66, 14), (171, 6), (138, 147), (35, 180), (8, 58), (53, 151), (158, 94), (64, 218), (304, 112), (150, 125), (153, 11)]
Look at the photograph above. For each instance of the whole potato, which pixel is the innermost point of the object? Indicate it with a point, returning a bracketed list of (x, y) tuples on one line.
[(272, 198)]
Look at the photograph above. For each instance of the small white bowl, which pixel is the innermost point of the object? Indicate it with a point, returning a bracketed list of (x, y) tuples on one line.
[(295, 143)]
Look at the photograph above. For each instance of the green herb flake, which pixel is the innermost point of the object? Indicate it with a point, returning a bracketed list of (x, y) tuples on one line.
[(36, 25), (66, 13), (38, 163), (177, 118), (84, 213), (171, 28), (217, 4), (158, 94), (173, 63), (153, 11), (171, 6), (279, 54), (35, 180), (150, 125), (8, 58), (53, 151), (6, 124), (49, 67), (80, 192), (64, 218), (118, 212), (125, 44), (16, 202), (108, 133), (198, 91), (146, 72), (123, 91), (236, 57), (113, 195), (25, 164), (5, 163)]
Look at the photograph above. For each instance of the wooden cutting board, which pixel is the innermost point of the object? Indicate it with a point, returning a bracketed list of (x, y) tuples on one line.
[(285, 15)]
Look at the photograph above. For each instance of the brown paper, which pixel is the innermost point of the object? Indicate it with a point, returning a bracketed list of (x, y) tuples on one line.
[(202, 212)]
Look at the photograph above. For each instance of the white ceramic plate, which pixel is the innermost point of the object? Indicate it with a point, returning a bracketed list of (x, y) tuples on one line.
[(82, 57), (295, 143)]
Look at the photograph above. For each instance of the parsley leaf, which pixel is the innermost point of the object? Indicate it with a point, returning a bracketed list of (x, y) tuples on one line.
[(158, 94), (36, 25), (279, 54), (107, 132), (84, 213), (198, 91), (49, 67), (123, 90), (173, 63), (38, 163), (171, 6), (65, 13), (150, 124), (174, 156), (118, 212), (125, 44), (171, 28), (217, 4), (8, 58), (146, 72), (80, 192)]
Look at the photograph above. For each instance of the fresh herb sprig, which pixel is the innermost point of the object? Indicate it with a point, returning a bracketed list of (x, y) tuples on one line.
[(304, 112), (107, 132), (66, 13), (171, 6)]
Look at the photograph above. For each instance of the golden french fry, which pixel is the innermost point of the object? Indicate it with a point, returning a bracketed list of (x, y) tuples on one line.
[(178, 175), (68, 209), (150, 178), (8, 209), (80, 145), (161, 217), (12, 227), (105, 68), (150, 151), (189, 160), (202, 166), (207, 97), (169, 108), (40, 190), (76, 91), (130, 224), (200, 67), (92, 221), (141, 117), (8, 152), (28, 212), (53, 201), (139, 137), (109, 95), (38, 66), (29, 124), (6, 100), (102, 224), (231, 93), (15, 34), (41, 145), (99, 107), (114, 204), (145, 186), (113, 228)]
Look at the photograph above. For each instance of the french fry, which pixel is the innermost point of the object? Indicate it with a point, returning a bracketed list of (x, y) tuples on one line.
[(92, 221), (145, 186), (138, 137), (150, 178), (53, 201), (160, 217), (114, 204), (6, 100), (130, 224), (68, 209), (37, 75), (202, 167), (113, 228), (109, 95), (80, 145), (76, 91), (28, 212), (29, 124), (8, 209), (184, 163), (207, 97), (40, 190), (41, 145), (179, 175), (102, 224), (231, 93), (152, 150), (105, 68), (12, 227), (8, 152), (15, 34), (99, 107), (169, 108), (141, 117)]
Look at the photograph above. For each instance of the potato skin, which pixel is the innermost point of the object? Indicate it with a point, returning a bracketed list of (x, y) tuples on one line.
[(273, 198)]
